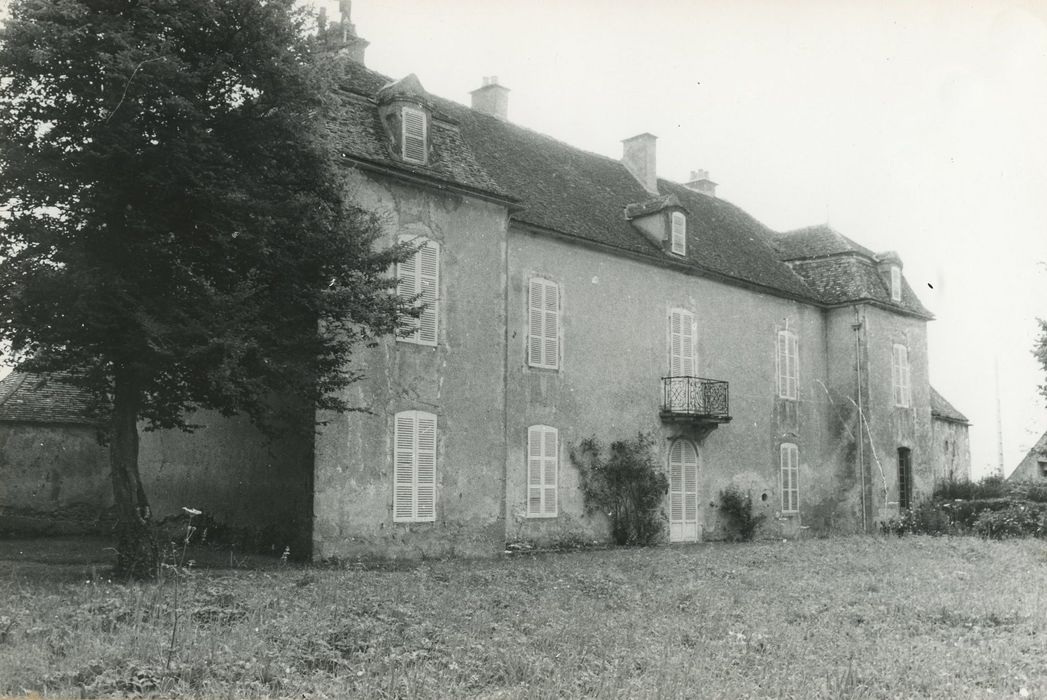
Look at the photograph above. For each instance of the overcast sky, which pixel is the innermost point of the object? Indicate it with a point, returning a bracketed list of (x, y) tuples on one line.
[(912, 126)]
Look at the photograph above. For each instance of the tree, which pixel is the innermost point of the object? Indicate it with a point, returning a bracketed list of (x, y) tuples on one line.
[(1039, 350), (175, 227)]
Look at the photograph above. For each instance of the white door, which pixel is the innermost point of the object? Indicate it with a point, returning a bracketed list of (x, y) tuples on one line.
[(683, 492)]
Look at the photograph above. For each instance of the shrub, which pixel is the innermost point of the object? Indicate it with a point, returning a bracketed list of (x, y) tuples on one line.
[(1017, 520), (925, 518), (956, 489), (626, 485), (737, 508)]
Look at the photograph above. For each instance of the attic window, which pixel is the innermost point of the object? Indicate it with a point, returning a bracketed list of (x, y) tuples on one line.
[(896, 283), (679, 237), (415, 135)]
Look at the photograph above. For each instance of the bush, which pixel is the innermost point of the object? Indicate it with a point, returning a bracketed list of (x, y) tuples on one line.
[(1017, 520), (626, 485), (955, 489), (925, 518), (737, 508)]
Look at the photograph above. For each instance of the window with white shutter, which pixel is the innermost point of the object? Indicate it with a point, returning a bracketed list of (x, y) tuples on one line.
[(543, 466), (683, 492), (900, 376), (414, 467), (790, 471), (419, 276), (543, 323), (896, 283), (788, 365), (679, 233), (681, 343), (414, 136)]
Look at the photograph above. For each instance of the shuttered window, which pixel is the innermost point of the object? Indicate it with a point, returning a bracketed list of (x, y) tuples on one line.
[(788, 365), (679, 233), (683, 491), (896, 283), (681, 343), (900, 376), (415, 135), (419, 276), (543, 334), (790, 471), (543, 466), (414, 467)]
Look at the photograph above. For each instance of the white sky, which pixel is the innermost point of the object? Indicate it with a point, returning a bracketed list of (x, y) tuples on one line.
[(913, 126)]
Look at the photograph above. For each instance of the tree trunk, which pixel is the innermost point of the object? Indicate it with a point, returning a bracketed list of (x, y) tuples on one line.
[(138, 555)]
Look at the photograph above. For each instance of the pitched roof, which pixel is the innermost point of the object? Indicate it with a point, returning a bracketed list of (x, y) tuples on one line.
[(943, 410), (590, 197), (37, 398)]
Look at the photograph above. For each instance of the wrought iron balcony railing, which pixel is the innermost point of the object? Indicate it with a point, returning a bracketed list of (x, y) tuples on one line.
[(695, 398)]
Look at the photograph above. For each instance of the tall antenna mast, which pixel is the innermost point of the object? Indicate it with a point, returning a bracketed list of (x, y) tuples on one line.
[(999, 421)]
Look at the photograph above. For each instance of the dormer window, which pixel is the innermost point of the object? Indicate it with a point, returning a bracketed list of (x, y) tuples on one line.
[(414, 138), (896, 283), (679, 233)]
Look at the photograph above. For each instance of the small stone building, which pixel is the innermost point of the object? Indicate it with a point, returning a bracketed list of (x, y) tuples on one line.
[(950, 441), (1034, 466)]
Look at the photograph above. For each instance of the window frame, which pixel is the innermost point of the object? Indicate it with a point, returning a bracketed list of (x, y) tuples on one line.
[(548, 493), (901, 376), (678, 232), (789, 467), (905, 482), (896, 283), (414, 487), (687, 321), (541, 345), (788, 373), (421, 135), (431, 314)]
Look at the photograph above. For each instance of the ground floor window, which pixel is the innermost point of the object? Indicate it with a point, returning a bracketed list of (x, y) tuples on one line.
[(543, 462), (414, 467), (789, 464), (904, 478)]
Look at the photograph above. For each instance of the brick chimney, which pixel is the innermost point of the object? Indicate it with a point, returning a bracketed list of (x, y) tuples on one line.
[(492, 98), (639, 156), (351, 44), (700, 182)]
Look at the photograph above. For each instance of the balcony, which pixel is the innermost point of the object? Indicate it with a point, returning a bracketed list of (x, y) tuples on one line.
[(695, 400)]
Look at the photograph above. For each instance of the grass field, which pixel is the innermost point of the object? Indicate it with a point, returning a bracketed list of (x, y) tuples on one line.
[(859, 617)]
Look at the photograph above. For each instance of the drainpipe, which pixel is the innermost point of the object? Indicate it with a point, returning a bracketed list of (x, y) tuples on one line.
[(857, 327)]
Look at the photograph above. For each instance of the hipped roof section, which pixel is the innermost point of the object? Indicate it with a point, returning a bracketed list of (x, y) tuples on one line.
[(556, 188), (38, 398), (943, 410)]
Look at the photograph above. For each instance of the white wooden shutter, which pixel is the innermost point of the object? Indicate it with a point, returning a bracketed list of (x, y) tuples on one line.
[(896, 283), (676, 482), (419, 276), (900, 375), (790, 469), (414, 467), (679, 233), (788, 365), (543, 314), (414, 135), (542, 470), (681, 343)]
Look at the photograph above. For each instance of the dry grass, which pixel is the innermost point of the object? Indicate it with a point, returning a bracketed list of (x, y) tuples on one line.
[(860, 617)]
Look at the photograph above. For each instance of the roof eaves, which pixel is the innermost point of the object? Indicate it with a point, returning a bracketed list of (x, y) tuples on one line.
[(427, 180)]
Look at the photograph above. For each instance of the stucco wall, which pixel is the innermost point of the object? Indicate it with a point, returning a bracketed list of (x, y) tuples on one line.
[(891, 427), (613, 356), (952, 450), (460, 381)]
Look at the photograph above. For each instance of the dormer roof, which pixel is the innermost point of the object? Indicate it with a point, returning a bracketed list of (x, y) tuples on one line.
[(651, 206), (409, 87)]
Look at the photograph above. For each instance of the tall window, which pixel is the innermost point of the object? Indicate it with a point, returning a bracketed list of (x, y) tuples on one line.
[(681, 343), (904, 478), (896, 283), (679, 233), (543, 462), (414, 136), (900, 376), (788, 365), (543, 334), (414, 467), (419, 276), (789, 457)]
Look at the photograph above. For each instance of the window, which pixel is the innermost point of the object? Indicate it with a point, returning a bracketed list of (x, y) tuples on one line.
[(896, 283), (788, 365), (1043, 466), (543, 334), (414, 136), (419, 276), (904, 478), (543, 461), (681, 343), (414, 467), (683, 492), (679, 233), (900, 376), (789, 458)]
